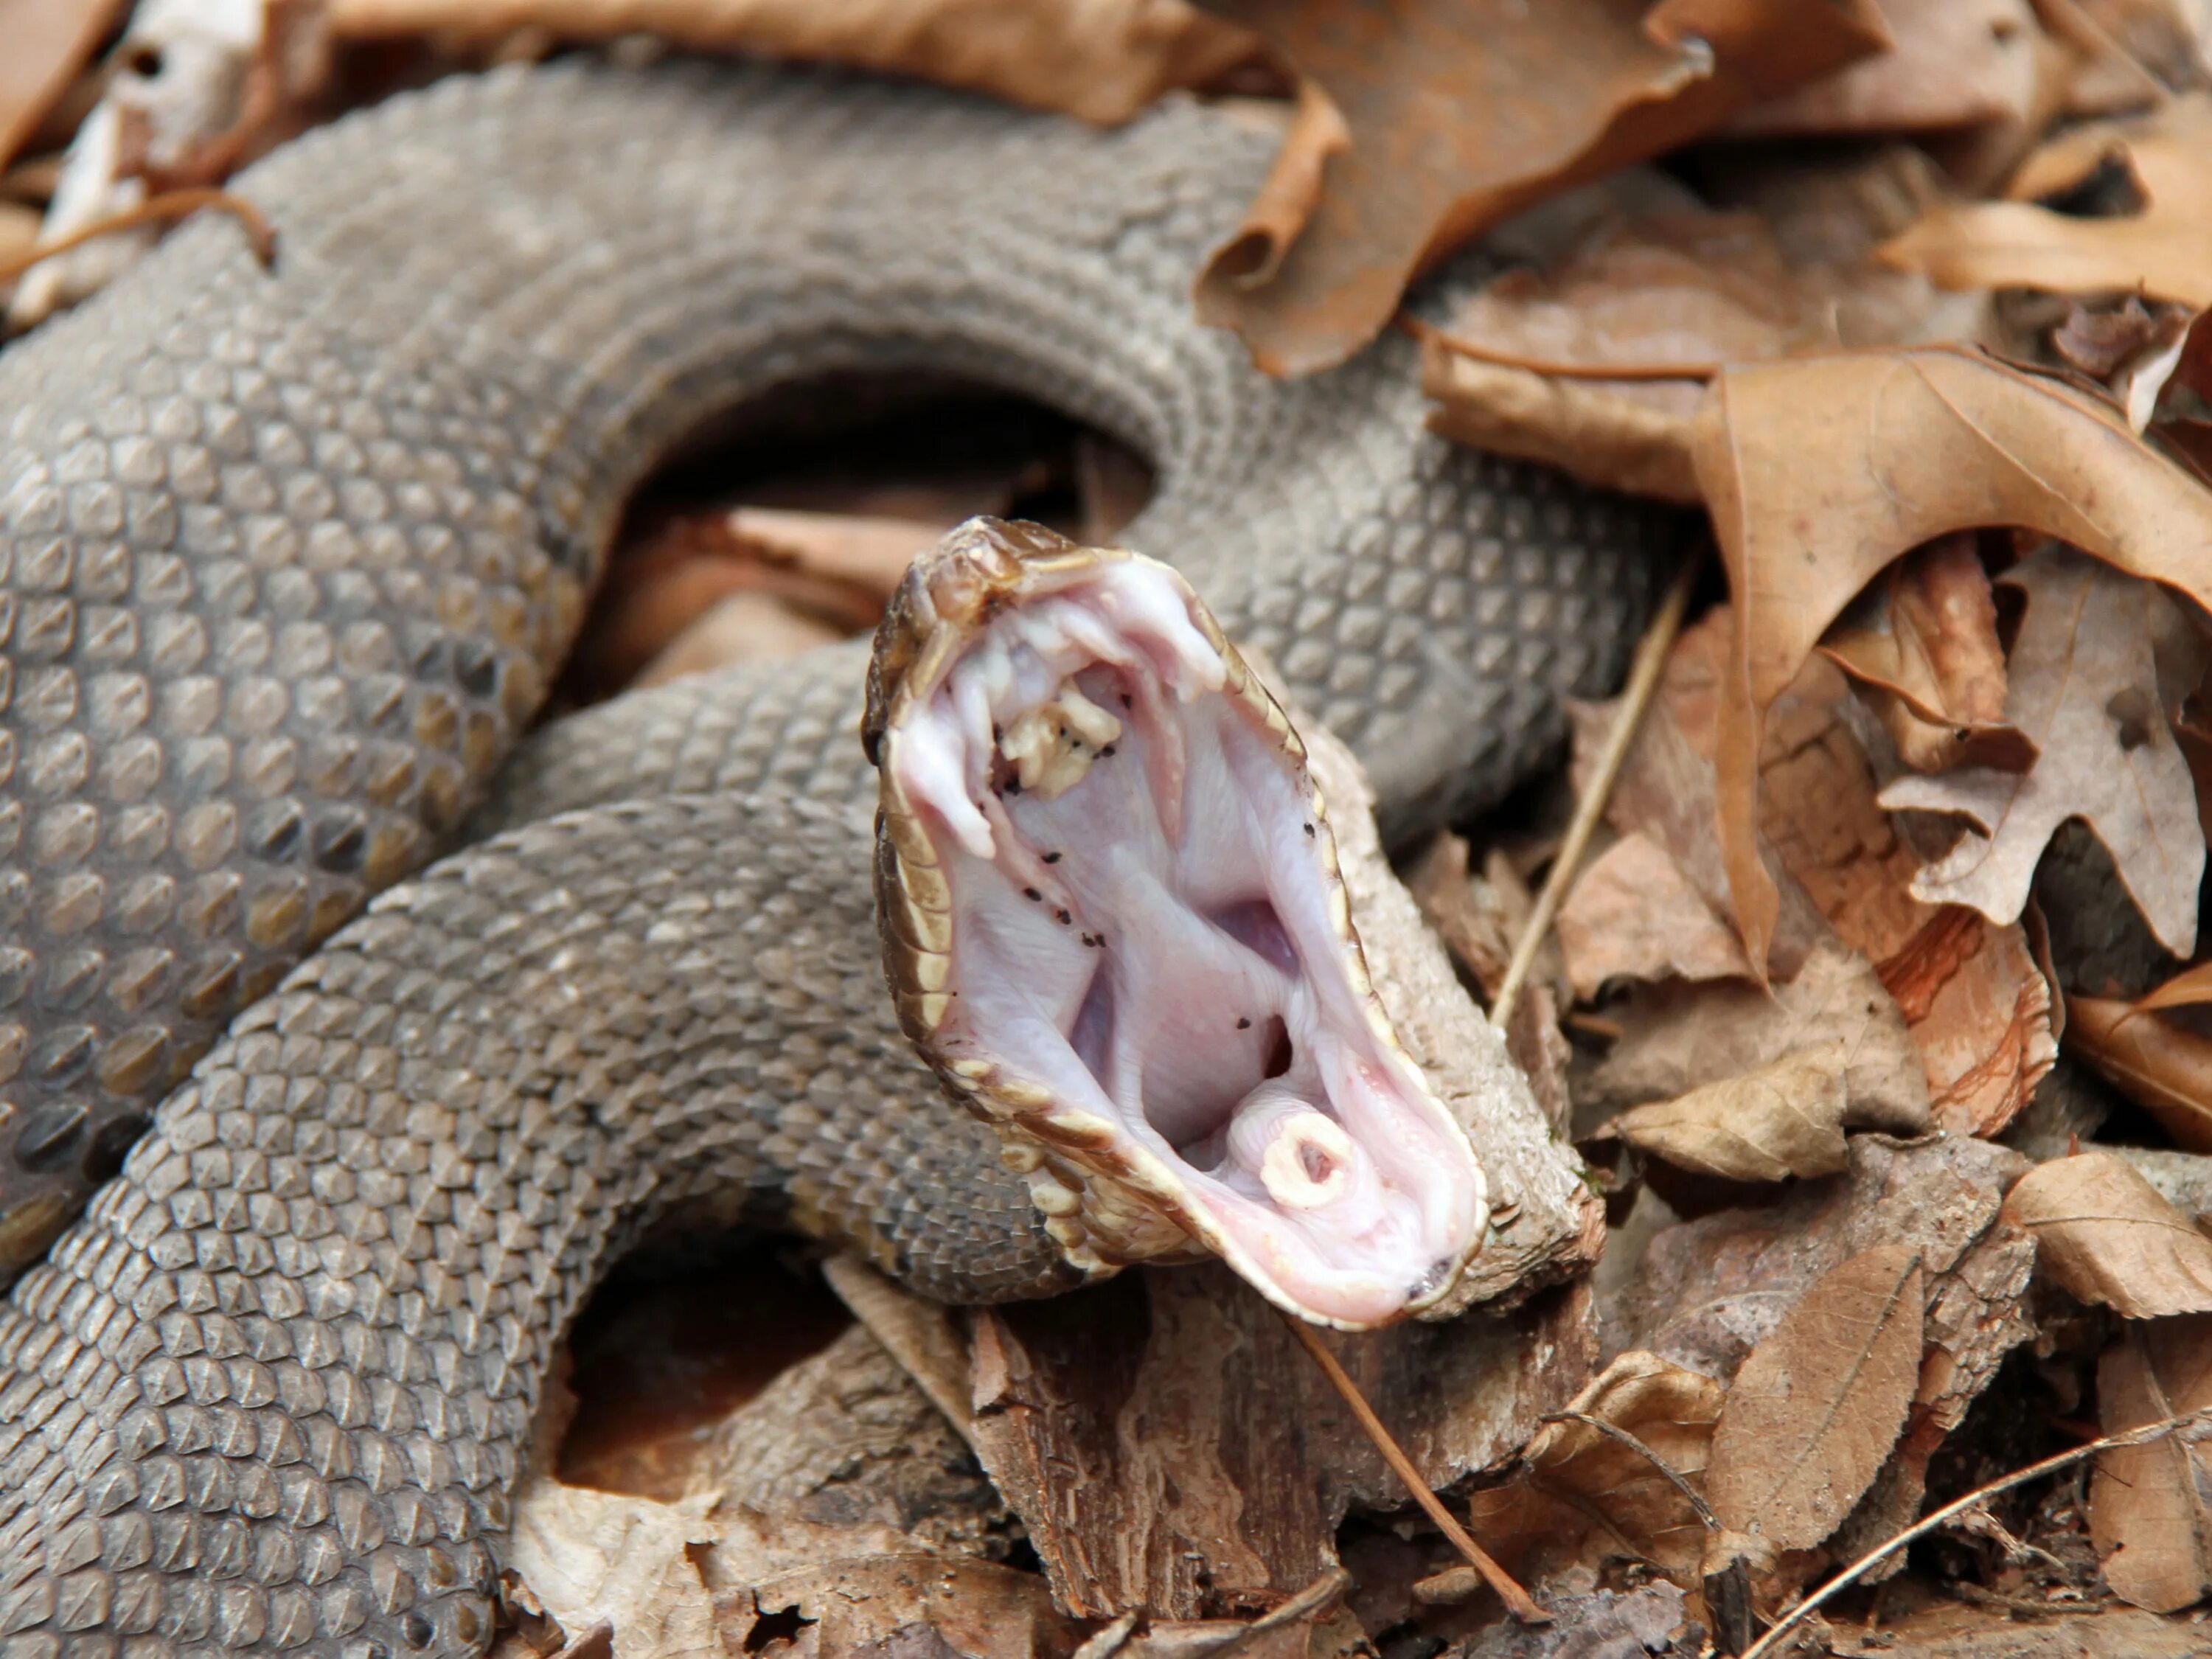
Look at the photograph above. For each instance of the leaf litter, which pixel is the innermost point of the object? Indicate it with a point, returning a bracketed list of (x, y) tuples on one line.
[(1765, 1292)]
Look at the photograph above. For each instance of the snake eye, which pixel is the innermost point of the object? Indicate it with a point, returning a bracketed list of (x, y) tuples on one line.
[(1138, 922)]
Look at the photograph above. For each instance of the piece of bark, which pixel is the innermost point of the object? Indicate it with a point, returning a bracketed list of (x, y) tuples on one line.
[(846, 1439), (1170, 1447), (1545, 1223)]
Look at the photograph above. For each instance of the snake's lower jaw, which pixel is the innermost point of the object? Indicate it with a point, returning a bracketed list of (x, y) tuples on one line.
[(1113, 914)]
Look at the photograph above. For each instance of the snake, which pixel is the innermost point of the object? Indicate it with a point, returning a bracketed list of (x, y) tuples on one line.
[(350, 1028)]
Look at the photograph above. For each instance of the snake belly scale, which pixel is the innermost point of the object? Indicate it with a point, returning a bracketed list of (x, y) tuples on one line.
[(287, 559)]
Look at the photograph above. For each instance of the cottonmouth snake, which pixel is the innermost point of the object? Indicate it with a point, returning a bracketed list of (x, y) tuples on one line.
[(287, 556)]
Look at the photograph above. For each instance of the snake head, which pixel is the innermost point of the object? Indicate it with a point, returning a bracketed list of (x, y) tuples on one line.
[(1113, 925)]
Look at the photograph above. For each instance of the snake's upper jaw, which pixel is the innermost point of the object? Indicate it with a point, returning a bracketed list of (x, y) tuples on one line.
[(1114, 920)]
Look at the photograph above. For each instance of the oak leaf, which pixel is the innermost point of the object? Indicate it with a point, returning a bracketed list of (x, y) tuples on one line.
[(1912, 445), (1454, 114), (2165, 250), (2104, 1234), (1103, 60), (2084, 690), (1816, 1407), (2164, 1067), (1783, 1119), (2149, 1513)]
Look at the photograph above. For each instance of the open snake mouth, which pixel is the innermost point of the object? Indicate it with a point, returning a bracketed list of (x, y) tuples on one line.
[(1148, 959)]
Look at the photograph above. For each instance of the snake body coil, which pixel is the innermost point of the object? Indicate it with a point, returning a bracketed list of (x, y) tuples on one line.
[(287, 558)]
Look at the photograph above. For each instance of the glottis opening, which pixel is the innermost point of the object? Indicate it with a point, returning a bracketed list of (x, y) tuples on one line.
[(1147, 922)]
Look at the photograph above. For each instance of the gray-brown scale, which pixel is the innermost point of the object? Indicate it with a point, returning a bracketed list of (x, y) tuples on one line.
[(286, 558)]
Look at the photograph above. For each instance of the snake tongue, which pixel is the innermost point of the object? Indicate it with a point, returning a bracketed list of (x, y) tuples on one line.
[(1126, 890)]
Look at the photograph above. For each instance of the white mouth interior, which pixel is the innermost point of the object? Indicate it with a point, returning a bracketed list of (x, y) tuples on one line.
[(1142, 925)]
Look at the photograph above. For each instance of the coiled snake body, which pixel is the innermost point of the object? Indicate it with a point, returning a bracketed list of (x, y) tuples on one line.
[(287, 557)]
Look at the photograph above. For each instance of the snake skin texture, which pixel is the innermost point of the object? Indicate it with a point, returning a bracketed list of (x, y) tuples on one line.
[(287, 557)]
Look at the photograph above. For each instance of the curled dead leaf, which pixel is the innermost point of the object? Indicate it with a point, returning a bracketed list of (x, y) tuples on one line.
[(1817, 1406), (1458, 113), (1573, 1471), (2148, 1510), (1922, 641), (1783, 1119), (2085, 692), (2165, 250), (1951, 63), (2104, 1234), (1103, 60), (1914, 444), (2164, 1067)]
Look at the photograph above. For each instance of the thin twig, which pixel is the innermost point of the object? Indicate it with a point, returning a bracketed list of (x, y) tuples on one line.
[(1557, 368), (1642, 681), (1614, 1431), (1517, 1601), (1305, 1604), (1928, 1523), (170, 204)]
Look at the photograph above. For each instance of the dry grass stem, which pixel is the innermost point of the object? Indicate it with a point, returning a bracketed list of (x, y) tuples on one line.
[(1642, 681)]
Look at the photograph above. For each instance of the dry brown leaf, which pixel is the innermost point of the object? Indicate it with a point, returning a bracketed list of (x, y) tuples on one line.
[(2189, 989), (1974, 999), (1572, 1473), (1458, 113), (895, 1607), (2165, 250), (1977, 1008), (1632, 913), (48, 42), (1676, 1038), (1817, 1406), (1680, 289), (2148, 1511), (1914, 444), (1101, 59), (1613, 434), (2161, 1066), (2085, 691), (1924, 641), (591, 1558), (1783, 1119), (1951, 63), (2104, 1234)]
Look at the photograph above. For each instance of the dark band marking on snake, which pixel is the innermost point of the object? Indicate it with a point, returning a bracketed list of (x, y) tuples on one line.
[(287, 556)]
